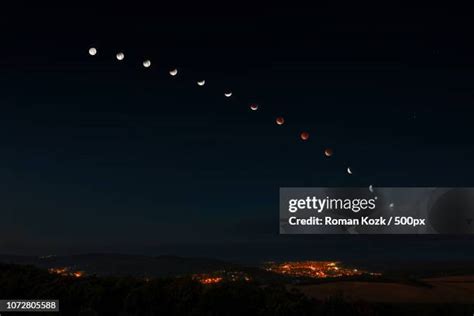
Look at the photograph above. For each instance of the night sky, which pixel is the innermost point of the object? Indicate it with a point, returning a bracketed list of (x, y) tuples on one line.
[(98, 155)]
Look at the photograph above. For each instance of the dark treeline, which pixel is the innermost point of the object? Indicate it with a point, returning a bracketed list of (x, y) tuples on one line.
[(182, 296)]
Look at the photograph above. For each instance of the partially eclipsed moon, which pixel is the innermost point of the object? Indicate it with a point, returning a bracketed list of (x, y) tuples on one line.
[(146, 63), (92, 51), (120, 56), (228, 94), (328, 152), (201, 82), (280, 120), (304, 136), (174, 72), (349, 171), (371, 188), (254, 107)]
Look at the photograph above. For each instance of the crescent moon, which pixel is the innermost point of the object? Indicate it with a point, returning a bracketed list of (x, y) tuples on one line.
[(371, 188), (254, 107), (146, 63), (201, 82), (120, 56), (228, 94), (174, 72), (349, 171)]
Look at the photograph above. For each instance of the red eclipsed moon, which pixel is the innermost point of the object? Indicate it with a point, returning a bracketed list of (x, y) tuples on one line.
[(280, 120), (304, 135), (328, 152)]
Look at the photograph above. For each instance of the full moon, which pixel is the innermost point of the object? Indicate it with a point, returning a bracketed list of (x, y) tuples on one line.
[(280, 120), (174, 72), (92, 51), (120, 56), (201, 82), (228, 94), (328, 152), (146, 63), (304, 135), (254, 107)]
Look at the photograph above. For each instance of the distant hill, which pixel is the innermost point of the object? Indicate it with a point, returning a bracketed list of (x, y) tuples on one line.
[(171, 266), (118, 264)]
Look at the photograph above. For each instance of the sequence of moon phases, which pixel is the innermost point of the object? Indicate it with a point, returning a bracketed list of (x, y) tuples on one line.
[(304, 136), (120, 56), (328, 152)]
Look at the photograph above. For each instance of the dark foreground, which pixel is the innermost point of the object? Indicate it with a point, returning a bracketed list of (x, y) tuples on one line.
[(183, 296)]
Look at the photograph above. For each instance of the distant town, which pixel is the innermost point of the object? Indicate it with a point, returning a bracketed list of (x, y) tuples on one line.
[(314, 269), (67, 271), (296, 269)]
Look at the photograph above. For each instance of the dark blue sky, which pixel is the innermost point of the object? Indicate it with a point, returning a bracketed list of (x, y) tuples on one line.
[(97, 155)]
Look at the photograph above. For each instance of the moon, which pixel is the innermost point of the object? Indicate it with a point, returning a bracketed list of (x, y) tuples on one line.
[(280, 120), (201, 82), (146, 63), (349, 171), (92, 51), (328, 152), (371, 188), (173, 72), (254, 107), (228, 94), (120, 56), (304, 136), (391, 205)]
